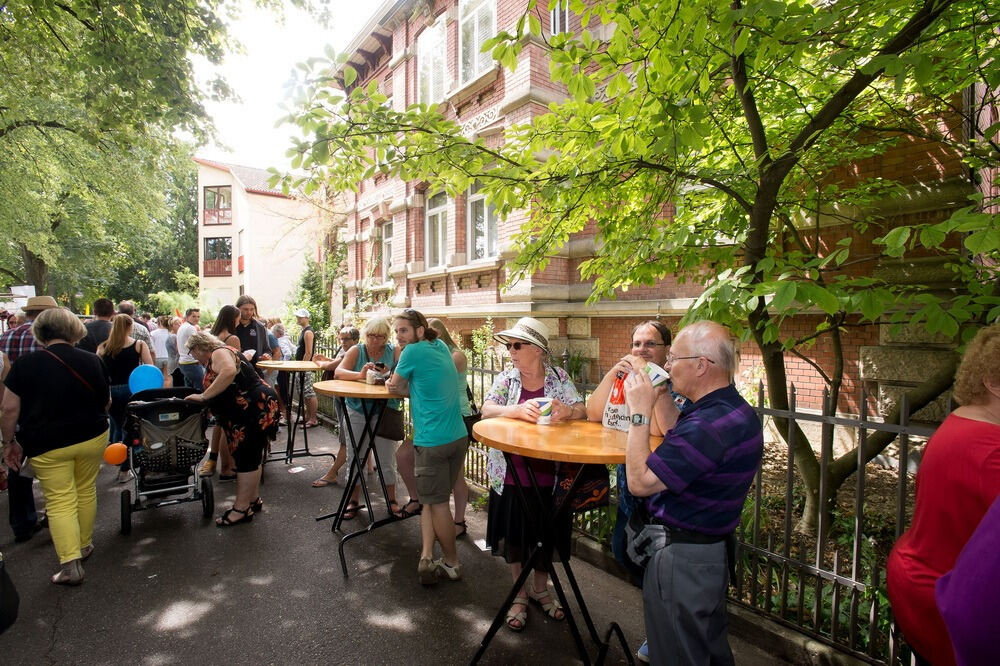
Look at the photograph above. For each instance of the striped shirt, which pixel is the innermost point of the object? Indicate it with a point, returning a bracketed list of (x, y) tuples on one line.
[(707, 461)]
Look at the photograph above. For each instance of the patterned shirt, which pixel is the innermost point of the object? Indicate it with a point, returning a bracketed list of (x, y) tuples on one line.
[(707, 461), (18, 341)]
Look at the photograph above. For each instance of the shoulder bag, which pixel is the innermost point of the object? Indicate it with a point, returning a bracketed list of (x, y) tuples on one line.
[(473, 418), (593, 490), (391, 426)]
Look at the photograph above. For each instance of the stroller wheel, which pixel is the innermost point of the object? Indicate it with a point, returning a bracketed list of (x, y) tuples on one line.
[(207, 497), (126, 512)]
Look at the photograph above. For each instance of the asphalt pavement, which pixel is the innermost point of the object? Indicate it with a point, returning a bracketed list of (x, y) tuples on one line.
[(178, 590)]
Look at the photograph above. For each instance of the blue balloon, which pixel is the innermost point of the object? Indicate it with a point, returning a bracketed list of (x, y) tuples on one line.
[(145, 377)]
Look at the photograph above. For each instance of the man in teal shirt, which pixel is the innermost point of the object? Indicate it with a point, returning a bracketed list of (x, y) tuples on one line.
[(427, 374)]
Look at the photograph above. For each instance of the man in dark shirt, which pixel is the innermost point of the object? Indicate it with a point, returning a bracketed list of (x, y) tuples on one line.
[(20, 500), (99, 329), (695, 484), (251, 332)]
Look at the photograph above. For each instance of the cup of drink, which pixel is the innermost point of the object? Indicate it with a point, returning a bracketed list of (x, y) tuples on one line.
[(545, 407), (657, 375), (370, 376)]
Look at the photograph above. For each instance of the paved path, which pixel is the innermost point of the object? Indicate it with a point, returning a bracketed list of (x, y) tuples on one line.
[(181, 591)]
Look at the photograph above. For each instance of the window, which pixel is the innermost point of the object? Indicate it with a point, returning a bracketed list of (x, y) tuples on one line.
[(219, 205), (431, 64), (218, 257), (476, 24), (482, 226), (559, 17), (434, 229), (386, 251)]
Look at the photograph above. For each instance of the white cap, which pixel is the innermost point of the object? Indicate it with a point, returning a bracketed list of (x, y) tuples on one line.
[(302, 312)]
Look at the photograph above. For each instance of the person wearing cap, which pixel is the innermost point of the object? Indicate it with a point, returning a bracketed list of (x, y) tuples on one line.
[(514, 394), (14, 342), (304, 352), (426, 372)]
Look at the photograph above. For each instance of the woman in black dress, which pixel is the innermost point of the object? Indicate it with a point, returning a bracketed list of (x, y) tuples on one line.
[(246, 409)]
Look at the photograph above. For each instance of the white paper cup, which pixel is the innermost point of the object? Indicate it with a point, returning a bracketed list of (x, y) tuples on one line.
[(545, 407), (657, 375)]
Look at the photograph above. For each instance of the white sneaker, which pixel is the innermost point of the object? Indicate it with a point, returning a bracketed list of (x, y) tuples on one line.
[(446, 571)]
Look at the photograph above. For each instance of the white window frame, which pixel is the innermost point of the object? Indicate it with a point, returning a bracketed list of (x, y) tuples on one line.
[(386, 251), (432, 64), (559, 18), (441, 213), (491, 221), (470, 10)]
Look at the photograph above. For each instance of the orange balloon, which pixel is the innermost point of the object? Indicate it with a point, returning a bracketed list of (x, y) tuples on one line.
[(115, 454)]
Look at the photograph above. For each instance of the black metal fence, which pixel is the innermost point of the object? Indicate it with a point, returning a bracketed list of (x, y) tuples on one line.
[(830, 588)]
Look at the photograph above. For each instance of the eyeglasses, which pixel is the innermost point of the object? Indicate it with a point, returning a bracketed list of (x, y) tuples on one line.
[(648, 344), (375, 335), (671, 358), (516, 346)]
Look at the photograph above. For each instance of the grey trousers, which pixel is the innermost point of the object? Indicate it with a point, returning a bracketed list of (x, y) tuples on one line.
[(684, 601)]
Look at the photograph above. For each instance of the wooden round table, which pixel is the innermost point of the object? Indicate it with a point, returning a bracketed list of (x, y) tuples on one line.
[(299, 368), (374, 399), (575, 441)]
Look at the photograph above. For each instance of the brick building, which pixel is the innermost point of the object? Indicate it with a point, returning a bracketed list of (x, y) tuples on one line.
[(409, 247)]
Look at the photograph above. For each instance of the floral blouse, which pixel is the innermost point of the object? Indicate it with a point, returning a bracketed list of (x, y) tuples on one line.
[(506, 390)]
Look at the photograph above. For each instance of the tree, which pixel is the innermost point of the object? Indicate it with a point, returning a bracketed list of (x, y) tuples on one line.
[(733, 130), (313, 293)]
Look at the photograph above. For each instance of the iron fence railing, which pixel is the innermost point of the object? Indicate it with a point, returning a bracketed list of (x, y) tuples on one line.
[(830, 588)]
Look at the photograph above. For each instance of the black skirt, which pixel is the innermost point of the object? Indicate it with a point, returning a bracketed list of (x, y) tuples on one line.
[(510, 535)]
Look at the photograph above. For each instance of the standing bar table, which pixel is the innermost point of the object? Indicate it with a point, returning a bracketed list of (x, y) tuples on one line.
[(568, 442), (374, 399), (298, 370)]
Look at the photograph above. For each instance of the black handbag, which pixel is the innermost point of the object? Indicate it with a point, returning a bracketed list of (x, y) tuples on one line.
[(592, 491), (391, 425), (473, 418), (9, 599)]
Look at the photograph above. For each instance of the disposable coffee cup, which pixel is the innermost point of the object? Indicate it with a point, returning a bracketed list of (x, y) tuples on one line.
[(370, 377), (545, 407), (657, 375), (249, 354)]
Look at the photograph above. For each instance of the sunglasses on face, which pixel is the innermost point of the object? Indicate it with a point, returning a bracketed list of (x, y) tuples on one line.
[(516, 346)]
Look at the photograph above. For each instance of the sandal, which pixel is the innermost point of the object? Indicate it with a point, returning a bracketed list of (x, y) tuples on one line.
[(552, 608), (521, 617), (257, 505), (462, 530), (323, 483), (405, 512), (394, 509), (225, 521), (351, 510)]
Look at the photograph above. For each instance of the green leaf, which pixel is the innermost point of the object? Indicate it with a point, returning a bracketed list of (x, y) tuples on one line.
[(783, 295), (350, 75)]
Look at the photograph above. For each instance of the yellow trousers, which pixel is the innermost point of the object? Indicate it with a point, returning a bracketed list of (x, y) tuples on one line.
[(68, 478)]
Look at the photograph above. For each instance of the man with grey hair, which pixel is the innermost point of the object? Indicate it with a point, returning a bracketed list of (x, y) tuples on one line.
[(695, 484)]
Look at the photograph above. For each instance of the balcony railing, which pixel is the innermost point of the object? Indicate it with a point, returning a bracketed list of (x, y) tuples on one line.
[(239, 261), (218, 216), (217, 267)]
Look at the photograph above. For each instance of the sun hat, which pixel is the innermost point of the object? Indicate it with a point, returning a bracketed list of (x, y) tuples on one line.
[(302, 312), (39, 303), (527, 329)]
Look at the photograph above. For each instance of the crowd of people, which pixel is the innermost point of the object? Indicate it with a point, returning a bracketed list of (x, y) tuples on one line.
[(679, 505)]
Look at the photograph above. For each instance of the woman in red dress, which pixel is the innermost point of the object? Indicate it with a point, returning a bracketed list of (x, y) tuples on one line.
[(958, 480)]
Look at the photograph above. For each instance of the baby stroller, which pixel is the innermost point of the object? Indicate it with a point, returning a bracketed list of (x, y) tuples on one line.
[(165, 435)]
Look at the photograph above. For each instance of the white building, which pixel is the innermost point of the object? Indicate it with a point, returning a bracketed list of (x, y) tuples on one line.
[(252, 239)]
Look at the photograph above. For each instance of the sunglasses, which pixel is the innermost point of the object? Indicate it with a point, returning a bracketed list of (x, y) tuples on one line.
[(516, 346)]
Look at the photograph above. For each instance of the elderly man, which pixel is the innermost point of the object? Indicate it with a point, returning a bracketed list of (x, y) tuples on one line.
[(21, 502), (695, 484)]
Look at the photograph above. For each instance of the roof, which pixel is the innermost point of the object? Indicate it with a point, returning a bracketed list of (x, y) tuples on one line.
[(253, 180)]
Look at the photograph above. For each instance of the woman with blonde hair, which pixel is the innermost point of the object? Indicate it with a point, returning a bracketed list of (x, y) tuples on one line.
[(246, 409), (958, 481), (224, 329), (122, 354), (57, 398), (405, 454), (375, 353)]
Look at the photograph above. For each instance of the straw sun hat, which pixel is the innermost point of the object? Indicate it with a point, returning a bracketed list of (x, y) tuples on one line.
[(527, 329), (39, 303)]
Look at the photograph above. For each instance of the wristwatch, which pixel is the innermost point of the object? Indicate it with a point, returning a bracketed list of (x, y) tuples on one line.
[(640, 420)]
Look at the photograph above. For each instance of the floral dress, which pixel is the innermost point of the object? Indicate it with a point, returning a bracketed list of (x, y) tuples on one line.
[(247, 410)]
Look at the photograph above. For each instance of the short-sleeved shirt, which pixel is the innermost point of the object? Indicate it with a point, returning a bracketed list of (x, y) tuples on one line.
[(17, 341), (97, 332), (437, 416), (186, 330), (707, 461), (57, 409), (253, 336)]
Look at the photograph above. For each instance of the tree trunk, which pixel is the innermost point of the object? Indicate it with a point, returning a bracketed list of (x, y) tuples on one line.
[(36, 271)]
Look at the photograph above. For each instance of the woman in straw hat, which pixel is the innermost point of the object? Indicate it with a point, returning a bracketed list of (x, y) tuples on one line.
[(515, 394)]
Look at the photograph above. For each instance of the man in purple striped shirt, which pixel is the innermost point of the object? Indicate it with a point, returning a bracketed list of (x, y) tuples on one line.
[(695, 484)]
